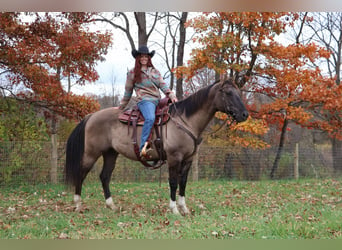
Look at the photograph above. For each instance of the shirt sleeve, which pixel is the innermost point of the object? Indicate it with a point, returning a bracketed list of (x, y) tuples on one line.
[(128, 89), (158, 79)]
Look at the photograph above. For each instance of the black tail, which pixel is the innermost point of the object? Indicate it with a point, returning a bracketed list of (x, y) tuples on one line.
[(74, 153)]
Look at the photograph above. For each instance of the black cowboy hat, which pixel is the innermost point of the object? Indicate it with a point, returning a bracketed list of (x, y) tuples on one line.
[(142, 50)]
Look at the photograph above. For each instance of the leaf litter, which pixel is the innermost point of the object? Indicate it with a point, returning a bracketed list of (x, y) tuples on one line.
[(224, 210)]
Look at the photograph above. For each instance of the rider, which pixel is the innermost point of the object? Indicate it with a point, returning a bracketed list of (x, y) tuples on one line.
[(146, 81)]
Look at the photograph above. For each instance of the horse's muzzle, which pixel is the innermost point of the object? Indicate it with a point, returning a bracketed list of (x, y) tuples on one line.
[(241, 117)]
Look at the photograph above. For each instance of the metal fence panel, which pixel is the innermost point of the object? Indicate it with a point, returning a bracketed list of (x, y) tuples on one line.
[(30, 162)]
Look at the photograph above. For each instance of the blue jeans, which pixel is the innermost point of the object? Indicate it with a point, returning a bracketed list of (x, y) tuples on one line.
[(148, 110)]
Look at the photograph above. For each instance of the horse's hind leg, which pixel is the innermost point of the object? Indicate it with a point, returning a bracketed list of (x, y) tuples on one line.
[(109, 159), (86, 166)]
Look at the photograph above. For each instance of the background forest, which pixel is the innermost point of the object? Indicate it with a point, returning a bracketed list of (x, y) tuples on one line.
[(287, 65)]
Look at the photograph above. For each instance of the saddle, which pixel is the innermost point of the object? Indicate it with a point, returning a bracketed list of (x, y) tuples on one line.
[(133, 117)]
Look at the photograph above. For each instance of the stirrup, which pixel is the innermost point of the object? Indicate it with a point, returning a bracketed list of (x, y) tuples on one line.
[(145, 150)]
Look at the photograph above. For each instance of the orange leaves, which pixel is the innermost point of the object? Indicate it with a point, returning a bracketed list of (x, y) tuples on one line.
[(252, 129), (245, 134), (75, 106), (285, 77), (221, 115), (229, 39), (252, 126), (39, 53), (298, 114)]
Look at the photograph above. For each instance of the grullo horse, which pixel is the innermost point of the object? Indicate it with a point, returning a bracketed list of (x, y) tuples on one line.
[(102, 134)]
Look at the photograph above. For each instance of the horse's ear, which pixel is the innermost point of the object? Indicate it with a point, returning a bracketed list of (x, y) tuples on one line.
[(223, 77), (227, 81), (221, 83)]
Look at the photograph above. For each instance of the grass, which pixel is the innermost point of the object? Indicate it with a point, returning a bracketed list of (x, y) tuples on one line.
[(305, 209)]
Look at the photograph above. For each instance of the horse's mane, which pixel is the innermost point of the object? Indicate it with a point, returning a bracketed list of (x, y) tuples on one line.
[(192, 103)]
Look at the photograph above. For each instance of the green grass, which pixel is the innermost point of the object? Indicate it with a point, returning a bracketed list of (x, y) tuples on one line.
[(305, 209)]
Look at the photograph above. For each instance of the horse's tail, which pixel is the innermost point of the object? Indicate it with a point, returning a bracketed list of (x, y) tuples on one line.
[(74, 153)]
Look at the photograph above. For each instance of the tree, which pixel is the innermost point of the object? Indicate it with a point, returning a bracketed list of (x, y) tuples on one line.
[(140, 20), (243, 46), (326, 29), (38, 53), (19, 123), (38, 50), (177, 32)]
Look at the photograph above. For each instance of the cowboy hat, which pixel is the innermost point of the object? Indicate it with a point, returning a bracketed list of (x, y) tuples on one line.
[(142, 50)]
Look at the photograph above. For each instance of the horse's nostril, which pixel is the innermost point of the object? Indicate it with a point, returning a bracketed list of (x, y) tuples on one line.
[(245, 114)]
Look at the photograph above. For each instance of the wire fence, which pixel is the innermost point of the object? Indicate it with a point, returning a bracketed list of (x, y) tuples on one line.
[(29, 163)]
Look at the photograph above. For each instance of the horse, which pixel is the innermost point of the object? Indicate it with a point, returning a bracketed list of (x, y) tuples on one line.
[(102, 134)]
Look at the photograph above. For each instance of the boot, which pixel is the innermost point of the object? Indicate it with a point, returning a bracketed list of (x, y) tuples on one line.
[(145, 150)]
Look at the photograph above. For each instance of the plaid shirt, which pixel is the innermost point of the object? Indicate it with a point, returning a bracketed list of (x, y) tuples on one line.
[(147, 89)]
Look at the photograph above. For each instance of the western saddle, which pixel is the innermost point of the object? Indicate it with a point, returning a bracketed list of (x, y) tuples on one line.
[(133, 117)]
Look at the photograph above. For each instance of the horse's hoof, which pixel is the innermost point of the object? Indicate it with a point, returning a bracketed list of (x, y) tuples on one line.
[(78, 208), (184, 210), (113, 208), (110, 204), (175, 210)]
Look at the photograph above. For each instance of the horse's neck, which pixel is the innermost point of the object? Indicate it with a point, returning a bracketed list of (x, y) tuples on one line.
[(199, 120)]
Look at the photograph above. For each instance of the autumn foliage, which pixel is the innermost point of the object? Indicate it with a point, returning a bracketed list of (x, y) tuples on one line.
[(245, 46), (38, 51)]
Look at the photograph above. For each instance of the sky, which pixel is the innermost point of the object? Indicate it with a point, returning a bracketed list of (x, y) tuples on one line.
[(112, 71)]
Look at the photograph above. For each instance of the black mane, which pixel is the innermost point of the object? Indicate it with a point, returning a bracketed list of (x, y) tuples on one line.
[(192, 103)]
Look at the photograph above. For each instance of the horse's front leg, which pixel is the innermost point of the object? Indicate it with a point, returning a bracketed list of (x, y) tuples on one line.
[(183, 178), (174, 166), (178, 175), (173, 182)]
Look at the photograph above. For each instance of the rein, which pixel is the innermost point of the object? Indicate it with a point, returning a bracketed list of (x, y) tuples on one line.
[(221, 126), (196, 140)]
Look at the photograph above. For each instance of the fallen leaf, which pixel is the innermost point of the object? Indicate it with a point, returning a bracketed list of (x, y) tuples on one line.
[(63, 236)]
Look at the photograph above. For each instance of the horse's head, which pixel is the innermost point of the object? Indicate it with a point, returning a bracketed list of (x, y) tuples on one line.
[(228, 100)]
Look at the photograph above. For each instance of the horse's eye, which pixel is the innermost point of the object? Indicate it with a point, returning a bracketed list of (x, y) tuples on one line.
[(228, 93)]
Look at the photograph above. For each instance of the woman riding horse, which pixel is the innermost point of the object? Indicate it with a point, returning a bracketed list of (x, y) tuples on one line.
[(103, 134), (146, 81)]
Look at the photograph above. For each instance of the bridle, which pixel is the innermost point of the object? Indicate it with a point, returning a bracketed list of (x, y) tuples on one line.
[(230, 114), (227, 109)]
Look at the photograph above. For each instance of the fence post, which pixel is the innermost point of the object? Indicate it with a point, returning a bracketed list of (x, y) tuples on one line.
[(296, 162), (54, 152), (54, 158)]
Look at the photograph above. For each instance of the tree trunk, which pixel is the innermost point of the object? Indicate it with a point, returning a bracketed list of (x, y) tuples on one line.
[(140, 18), (280, 148), (337, 156), (180, 53)]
